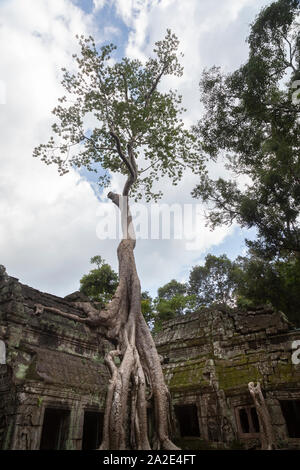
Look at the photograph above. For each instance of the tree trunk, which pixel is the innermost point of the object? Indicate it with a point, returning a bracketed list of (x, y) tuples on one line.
[(264, 418), (125, 418), (140, 363)]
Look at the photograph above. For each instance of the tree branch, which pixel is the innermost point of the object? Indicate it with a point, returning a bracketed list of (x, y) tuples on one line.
[(150, 166), (121, 154), (154, 86)]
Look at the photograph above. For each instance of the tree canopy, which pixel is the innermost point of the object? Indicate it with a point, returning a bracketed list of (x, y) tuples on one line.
[(275, 282), (252, 125), (171, 289), (214, 282), (246, 282), (100, 284), (130, 116)]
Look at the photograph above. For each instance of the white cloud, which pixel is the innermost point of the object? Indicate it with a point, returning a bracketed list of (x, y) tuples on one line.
[(210, 32), (48, 223), (110, 31), (98, 4)]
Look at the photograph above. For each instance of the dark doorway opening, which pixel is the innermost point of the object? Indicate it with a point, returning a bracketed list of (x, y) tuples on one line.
[(291, 412), (187, 417), (92, 430), (55, 429), (249, 423), (244, 420)]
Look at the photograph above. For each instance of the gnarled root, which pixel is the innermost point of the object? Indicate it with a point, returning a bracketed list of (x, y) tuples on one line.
[(126, 400), (264, 418), (126, 397)]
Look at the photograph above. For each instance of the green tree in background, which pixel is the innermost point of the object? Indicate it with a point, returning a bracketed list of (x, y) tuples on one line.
[(276, 282), (100, 284), (252, 125), (247, 282), (214, 282), (147, 308), (172, 300), (171, 289)]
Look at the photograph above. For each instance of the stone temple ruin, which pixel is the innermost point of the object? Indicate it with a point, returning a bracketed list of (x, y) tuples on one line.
[(53, 379)]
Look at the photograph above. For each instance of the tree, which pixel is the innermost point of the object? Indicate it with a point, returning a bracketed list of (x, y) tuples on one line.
[(275, 282), (252, 124), (172, 308), (101, 283), (171, 289), (147, 308), (215, 282), (172, 301), (135, 122)]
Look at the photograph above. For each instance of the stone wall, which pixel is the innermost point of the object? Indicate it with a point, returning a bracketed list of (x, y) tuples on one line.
[(211, 356), (56, 365), (51, 362)]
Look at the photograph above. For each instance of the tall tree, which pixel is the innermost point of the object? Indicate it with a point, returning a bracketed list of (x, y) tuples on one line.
[(171, 289), (172, 301), (275, 282), (214, 282), (252, 125), (135, 122)]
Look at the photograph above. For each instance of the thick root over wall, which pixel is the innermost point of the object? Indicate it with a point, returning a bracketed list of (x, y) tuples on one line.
[(140, 368), (139, 372)]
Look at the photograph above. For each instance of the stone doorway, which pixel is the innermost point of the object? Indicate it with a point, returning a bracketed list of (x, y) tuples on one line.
[(187, 417), (55, 429), (291, 413), (92, 430)]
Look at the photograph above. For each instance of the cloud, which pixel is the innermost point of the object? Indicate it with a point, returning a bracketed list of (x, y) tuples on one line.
[(98, 4), (210, 32), (48, 223), (111, 31)]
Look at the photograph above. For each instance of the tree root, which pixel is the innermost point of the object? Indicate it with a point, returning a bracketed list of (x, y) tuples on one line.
[(264, 418), (126, 399), (139, 359)]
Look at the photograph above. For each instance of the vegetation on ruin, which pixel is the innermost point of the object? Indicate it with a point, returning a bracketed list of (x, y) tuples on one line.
[(138, 132), (251, 127)]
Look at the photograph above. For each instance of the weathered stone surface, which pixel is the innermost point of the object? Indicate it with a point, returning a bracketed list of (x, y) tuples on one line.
[(210, 356), (51, 361)]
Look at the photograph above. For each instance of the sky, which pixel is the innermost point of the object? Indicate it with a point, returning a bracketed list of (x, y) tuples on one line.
[(49, 225)]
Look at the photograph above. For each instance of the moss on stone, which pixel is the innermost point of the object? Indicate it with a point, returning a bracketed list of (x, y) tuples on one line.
[(40, 401), (21, 371), (187, 376), (285, 373), (236, 376), (230, 374)]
